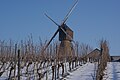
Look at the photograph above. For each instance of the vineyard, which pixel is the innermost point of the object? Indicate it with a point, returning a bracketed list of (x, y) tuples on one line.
[(72, 52), (27, 61)]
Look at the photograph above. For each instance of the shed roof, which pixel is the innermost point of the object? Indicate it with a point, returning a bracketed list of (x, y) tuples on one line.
[(67, 28), (94, 53)]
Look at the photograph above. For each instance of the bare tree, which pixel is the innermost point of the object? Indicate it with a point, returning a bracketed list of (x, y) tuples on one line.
[(104, 58), (84, 50)]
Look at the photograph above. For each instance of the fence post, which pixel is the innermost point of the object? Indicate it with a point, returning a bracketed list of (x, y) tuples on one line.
[(15, 61), (18, 64), (56, 63)]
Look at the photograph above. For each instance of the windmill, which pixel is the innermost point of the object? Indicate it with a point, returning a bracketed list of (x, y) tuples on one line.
[(65, 33)]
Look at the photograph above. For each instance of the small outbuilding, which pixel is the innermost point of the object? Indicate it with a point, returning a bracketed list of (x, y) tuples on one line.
[(115, 58), (94, 55)]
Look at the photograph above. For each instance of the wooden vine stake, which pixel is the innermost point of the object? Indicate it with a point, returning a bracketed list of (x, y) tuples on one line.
[(18, 64)]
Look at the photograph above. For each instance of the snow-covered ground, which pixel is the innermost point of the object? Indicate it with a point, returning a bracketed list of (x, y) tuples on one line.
[(112, 71), (85, 72)]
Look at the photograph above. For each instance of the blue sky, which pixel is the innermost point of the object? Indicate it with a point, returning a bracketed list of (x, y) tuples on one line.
[(91, 20)]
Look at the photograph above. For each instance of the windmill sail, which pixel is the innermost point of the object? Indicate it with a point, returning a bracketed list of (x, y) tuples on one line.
[(51, 19), (62, 24), (69, 13), (51, 40)]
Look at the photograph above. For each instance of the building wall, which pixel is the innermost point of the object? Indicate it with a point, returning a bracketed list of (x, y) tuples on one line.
[(115, 58)]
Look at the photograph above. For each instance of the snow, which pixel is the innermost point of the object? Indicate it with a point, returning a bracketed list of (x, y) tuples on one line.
[(112, 71), (88, 71), (85, 72)]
